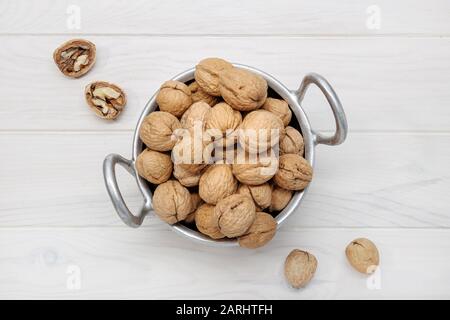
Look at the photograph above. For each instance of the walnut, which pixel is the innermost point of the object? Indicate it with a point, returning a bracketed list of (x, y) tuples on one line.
[(216, 183), (255, 170), (243, 90), (260, 194), (196, 202), (154, 166), (207, 74), (75, 58), (107, 100), (195, 115), (280, 198), (188, 178), (292, 142), (222, 121), (191, 153), (280, 108), (363, 255), (260, 130), (236, 214), (260, 232), (299, 268), (198, 94), (172, 202), (207, 221), (157, 130), (294, 173), (174, 97)]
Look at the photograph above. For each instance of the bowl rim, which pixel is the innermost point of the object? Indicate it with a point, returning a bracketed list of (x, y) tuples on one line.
[(291, 96)]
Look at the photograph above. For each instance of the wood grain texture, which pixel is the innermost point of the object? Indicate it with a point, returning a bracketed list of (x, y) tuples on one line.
[(297, 17), (153, 263), (384, 84), (372, 180)]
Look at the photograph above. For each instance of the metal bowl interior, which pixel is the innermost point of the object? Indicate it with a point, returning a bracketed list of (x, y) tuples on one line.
[(290, 96)]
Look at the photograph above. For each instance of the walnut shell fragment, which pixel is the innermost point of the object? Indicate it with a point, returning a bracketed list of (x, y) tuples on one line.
[(280, 108), (242, 90), (292, 142), (294, 173), (154, 166), (172, 202), (363, 255), (216, 183), (75, 57), (207, 74), (236, 214), (198, 94), (174, 97), (107, 100), (157, 131), (260, 194), (260, 232), (299, 268), (207, 221)]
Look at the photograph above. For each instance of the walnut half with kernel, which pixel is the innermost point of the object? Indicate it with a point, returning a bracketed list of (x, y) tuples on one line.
[(107, 100), (75, 57)]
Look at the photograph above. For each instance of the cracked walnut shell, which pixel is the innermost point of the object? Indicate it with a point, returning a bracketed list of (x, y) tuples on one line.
[(216, 183), (107, 100), (363, 255), (174, 97), (292, 142), (172, 202), (198, 94), (157, 131), (299, 268), (154, 166), (236, 214), (260, 130), (207, 221), (207, 74), (294, 173), (260, 194), (280, 108), (242, 90), (280, 198), (75, 57), (260, 232)]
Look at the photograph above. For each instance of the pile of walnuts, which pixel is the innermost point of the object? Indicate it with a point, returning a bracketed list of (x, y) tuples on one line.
[(222, 196)]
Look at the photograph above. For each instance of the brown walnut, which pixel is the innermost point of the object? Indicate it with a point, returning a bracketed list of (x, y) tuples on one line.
[(280, 198), (280, 108), (196, 202), (257, 170), (172, 202), (216, 183), (299, 268), (174, 97), (195, 116), (207, 74), (260, 232), (292, 142), (363, 255), (75, 57), (207, 221), (198, 94), (294, 173), (154, 166), (260, 194), (107, 100), (157, 131), (221, 122), (236, 214)]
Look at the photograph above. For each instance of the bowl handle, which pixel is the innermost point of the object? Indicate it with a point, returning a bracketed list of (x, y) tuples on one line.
[(341, 121), (109, 173)]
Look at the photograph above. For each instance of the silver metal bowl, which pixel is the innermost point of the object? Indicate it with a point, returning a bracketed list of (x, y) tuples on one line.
[(311, 139)]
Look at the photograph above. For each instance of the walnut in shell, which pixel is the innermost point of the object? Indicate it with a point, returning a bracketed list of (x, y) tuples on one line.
[(280, 198), (157, 130), (292, 142), (75, 58), (216, 183), (107, 100), (260, 232), (280, 108), (260, 194), (174, 97), (191, 153), (154, 166), (172, 202), (299, 268), (207, 221), (363, 255), (255, 170), (241, 89), (188, 178), (236, 214), (207, 74), (294, 173), (196, 202), (198, 94), (221, 122), (260, 130), (195, 116)]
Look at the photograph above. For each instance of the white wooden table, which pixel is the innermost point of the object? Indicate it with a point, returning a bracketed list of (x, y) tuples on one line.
[(390, 181)]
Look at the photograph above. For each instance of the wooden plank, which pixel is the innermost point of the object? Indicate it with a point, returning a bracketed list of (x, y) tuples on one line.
[(373, 180), (219, 17), (149, 263), (384, 83)]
